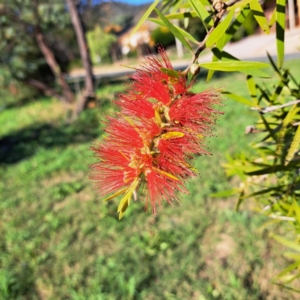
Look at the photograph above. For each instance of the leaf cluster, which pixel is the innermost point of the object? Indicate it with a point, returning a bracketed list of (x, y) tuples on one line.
[(271, 174), (19, 51), (220, 25)]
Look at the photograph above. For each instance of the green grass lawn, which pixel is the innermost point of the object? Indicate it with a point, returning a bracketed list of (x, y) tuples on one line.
[(59, 241)]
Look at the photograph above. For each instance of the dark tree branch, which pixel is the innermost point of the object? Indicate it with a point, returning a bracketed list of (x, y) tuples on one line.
[(48, 91), (54, 66), (85, 56)]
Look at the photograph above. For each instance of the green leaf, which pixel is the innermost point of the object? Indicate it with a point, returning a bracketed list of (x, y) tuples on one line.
[(273, 18), (290, 115), (272, 169), (280, 28), (294, 146), (173, 29), (265, 191), (260, 16), (289, 288), (239, 4), (225, 194), (211, 72), (116, 194), (174, 5), (170, 72), (292, 255), (236, 24), (125, 201), (238, 98), (289, 277), (275, 68), (233, 65), (296, 209), (280, 86), (219, 30), (145, 16), (183, 15), (225, 56), (290, 244), (201, 11), (205, 2), (257, 73), (183, 32), (252, 88)]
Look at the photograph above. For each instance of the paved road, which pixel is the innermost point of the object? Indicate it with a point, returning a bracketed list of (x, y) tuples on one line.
[(251, 48)]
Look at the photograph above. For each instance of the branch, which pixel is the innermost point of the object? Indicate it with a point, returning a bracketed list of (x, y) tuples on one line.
[(275, 107), (48, 91), (220, 9)]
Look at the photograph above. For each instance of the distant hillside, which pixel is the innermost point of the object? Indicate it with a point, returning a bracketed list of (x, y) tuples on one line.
[(107, 13)]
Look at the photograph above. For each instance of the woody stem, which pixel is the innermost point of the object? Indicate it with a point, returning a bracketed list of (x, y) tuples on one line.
[(219, 11)]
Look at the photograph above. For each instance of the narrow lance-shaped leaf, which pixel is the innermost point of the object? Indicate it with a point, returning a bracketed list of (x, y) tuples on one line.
[(225, 194), (239, 4), (289, 288), (173, 29), (273, 18), (275, 68), (272, 169), (219, 30), (292, 255), (205, 2), (170, 72), (265, 191), (288, 269), (233, 65), (183, 32), (238, 98), (252, 88), (200, 10), (296, 209), (290, 115), (125, 201), (181, 15), (175, 6), (294, 146), (228, 34), (145, 16), (235, 25), (225, 56), (290, 244), (116, 194), (282, 83), (280, 27), (259, 16)]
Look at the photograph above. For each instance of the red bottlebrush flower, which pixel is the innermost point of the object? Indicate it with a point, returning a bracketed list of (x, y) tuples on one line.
[(152, 142)]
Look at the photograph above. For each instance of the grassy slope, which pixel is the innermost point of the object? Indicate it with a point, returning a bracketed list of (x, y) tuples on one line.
[(58, 241)]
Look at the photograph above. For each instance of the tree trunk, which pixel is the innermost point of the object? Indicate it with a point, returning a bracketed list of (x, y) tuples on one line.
[(52, 63), (85, 56)]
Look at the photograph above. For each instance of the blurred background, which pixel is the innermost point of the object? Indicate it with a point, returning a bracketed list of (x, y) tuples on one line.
[(61, 67)]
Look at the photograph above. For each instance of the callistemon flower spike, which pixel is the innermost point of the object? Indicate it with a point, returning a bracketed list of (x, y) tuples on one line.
[(152, 142)]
